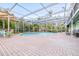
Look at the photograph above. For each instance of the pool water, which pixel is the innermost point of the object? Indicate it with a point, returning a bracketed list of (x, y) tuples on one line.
[(36, 33)]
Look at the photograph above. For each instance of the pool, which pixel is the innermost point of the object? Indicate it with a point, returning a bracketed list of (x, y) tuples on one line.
[(36, 33)]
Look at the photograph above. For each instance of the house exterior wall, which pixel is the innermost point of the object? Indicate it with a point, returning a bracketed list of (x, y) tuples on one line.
[(75, 19), (77, 24)]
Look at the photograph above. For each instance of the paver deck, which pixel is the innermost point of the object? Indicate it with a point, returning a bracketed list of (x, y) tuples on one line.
[(53, 45)]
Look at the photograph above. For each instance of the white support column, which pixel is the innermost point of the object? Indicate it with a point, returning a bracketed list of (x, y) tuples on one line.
[(72, 27), (3, 26), (8, 23), (72, 24)]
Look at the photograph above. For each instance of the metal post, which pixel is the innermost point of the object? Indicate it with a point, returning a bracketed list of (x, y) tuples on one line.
[(61, 28), (29, 27), (15, 26), (32, 24), (64, 17), (39, 27), (72, 27), (18, 26), (33, 29), (56, 27), (51, 27), (23, 26), (46, 27)]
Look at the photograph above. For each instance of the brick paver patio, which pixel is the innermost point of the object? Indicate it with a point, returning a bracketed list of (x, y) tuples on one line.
[(53, 45)]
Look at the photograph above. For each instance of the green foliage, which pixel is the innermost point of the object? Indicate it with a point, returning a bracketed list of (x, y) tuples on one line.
[(49, 27), (34, 27), (12, 25), (0, 23), (6, 24)]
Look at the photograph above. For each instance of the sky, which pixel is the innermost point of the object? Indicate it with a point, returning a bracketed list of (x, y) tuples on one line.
[(19, 11)]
